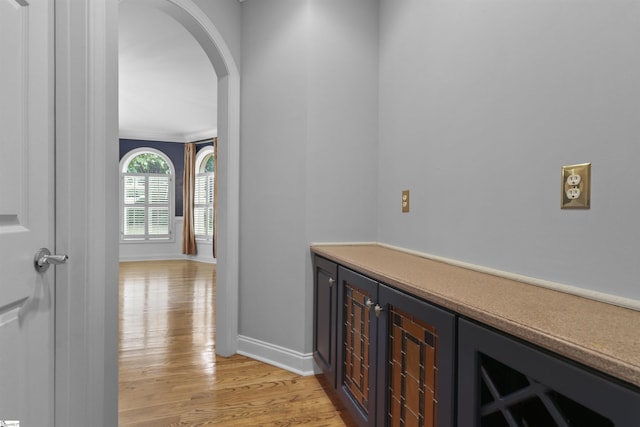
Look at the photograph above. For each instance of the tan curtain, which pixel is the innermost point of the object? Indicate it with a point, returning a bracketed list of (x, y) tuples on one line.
[(215, 196), (189, 183)]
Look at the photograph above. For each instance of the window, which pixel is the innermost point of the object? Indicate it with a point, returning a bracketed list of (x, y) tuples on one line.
[(147, 196), (203, 216)]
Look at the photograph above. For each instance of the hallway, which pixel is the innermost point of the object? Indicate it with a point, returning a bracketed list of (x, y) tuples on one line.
[(170, 374)]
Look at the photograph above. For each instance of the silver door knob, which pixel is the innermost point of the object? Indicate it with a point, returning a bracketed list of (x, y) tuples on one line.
[(378, 310), (43, 259)]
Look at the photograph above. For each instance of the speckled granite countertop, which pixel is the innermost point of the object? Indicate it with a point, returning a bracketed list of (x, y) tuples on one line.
[(596, 334)]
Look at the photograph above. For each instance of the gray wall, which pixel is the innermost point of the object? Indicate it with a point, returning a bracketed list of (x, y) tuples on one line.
[(473, 106), (342, 125), (308, 152), (481, 103)]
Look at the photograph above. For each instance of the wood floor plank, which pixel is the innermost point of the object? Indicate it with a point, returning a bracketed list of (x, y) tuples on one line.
[(171, 376)]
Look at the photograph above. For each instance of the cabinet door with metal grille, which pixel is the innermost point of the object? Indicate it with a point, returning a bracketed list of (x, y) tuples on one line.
[(504, 382), (417, 375), (357, 297)]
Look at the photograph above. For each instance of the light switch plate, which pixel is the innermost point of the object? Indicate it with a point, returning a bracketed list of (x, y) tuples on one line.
[(576, 186)]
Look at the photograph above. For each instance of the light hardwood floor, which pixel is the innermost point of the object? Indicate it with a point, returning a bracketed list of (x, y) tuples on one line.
[(170, 374)]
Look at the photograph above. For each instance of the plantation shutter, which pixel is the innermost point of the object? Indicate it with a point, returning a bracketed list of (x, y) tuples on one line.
[(158, 208), (146, 206), (203, 206), (134, 205)]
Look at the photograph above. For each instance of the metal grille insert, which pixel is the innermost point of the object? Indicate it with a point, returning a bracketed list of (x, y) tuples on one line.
[(356, 345), (512, 399), (413, 371)]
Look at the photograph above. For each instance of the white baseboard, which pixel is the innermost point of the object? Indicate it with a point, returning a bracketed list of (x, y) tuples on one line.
[(292, 361), (152, 257), (166, 257), (206, 260)]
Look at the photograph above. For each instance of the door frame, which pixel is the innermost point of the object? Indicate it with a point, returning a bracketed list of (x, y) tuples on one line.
[(86, 325)]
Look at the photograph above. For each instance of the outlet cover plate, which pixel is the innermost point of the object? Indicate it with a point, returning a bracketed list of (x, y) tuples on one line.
[(405, 201), (583, 201)]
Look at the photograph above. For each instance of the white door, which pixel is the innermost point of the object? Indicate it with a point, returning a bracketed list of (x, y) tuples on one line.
[(26, 211)]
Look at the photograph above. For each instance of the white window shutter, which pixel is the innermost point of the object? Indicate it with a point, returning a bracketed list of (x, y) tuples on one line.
[(146, 201), (203, 206)]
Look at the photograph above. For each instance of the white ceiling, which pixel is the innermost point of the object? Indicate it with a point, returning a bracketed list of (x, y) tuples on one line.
[(168, 87)]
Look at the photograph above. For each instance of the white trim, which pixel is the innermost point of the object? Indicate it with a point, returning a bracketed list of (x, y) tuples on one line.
[(86, 342), (167, 257), (281, 357), (568, 289), (163, 250), (200, 135), (169, 241), (154, 135), (344, 244), (152, 257), (204, 152)]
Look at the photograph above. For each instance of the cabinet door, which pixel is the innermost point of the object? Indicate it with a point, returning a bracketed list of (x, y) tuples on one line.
[(325, 303), (416, 374), (357, 342), (504, 382)]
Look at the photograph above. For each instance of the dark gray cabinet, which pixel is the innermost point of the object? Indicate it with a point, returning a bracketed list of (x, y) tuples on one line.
[(395, 361), (325, 316), (505, 382)]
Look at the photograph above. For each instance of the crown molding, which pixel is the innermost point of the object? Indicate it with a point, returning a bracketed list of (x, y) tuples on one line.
[(152, 135)]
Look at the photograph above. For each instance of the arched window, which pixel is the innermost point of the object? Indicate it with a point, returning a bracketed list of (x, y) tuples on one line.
[(146, 196), (203, 216)]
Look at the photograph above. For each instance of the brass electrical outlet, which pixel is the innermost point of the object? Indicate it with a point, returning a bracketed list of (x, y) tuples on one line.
[(576, 186), (405, 201)]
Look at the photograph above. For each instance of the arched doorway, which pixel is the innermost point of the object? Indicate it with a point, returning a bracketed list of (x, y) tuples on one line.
[(196, 22)]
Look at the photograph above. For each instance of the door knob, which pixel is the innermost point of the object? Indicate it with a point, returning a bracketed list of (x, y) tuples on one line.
[(43, 259), (378, 310)]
